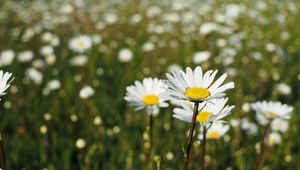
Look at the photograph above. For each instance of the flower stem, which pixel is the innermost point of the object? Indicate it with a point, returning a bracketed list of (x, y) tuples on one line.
[(191, 132), (203, 149), (2, 160), (148, 160), (216, 155), (259, 163)]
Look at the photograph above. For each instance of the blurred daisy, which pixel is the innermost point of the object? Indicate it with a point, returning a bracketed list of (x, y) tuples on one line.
[(4, 82), (86, 92), (6, 57), (80, 43), (125, 55), (201, 57), (208, 112), (25, 56), (279, 125), (195, 86), (273, 138), (217, 130), (283, 88), (271, 110), (146, 95)]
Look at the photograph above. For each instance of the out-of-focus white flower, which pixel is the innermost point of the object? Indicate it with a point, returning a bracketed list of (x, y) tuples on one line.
[(125, 55), (271, 110), (80, 43), (273, 138), (46, 50), (200, 57), (233, 10), (25, 56), (38, 63), (207, 28), (234, 122), (173, 67), (217, 130), (4, 82), (249, 127), (80, 60), (53, 85), (279, 125), (86, 92), (169, 156), (171, 17), (136, 19), (148, 46), (80, 143), (246, 107), (47, 37), (283, 88), (66, 8), (270, 47), (34, 75), (6, 57), (110, 18), (256, 56), (153, 11)]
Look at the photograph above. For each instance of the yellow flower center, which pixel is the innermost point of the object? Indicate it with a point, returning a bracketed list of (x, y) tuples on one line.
[(150, 99), (213, 135), (203, 116), (197, 93), (80, 44), (271, 114)]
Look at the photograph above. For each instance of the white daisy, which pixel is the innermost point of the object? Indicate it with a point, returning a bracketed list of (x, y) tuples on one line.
[(208, 112), (271, 110), (194, 85), (80, 43), (146, 95), (4, 82), (217, 130), (279, 125), (86, 92)]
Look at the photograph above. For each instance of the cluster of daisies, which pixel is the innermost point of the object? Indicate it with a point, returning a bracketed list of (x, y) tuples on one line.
[(200, 97), (185, 89)]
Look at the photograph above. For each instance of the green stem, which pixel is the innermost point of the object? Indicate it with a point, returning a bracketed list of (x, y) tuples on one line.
[(2, 160), (203, 148), (259, 163), (191, 132)]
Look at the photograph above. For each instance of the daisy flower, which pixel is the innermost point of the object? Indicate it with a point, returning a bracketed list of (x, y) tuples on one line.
[(217, 130), (4, 82), (80, 43), (271, 110), (146, 95), (195, 86), (208, 112)]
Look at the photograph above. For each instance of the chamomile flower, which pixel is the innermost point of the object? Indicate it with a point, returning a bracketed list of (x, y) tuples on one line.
[(146, 95), (271, 110), (4, 82), (217, 130), (208, 112), (80, 43), (195, 86)]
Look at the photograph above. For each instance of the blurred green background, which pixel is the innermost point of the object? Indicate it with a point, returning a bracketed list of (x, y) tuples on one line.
[(47, 125)]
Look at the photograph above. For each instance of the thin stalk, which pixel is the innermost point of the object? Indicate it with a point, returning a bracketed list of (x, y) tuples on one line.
[(259, 163), (2, 160), (216, 155), (203, 148), (148, 160), (191, 132)]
